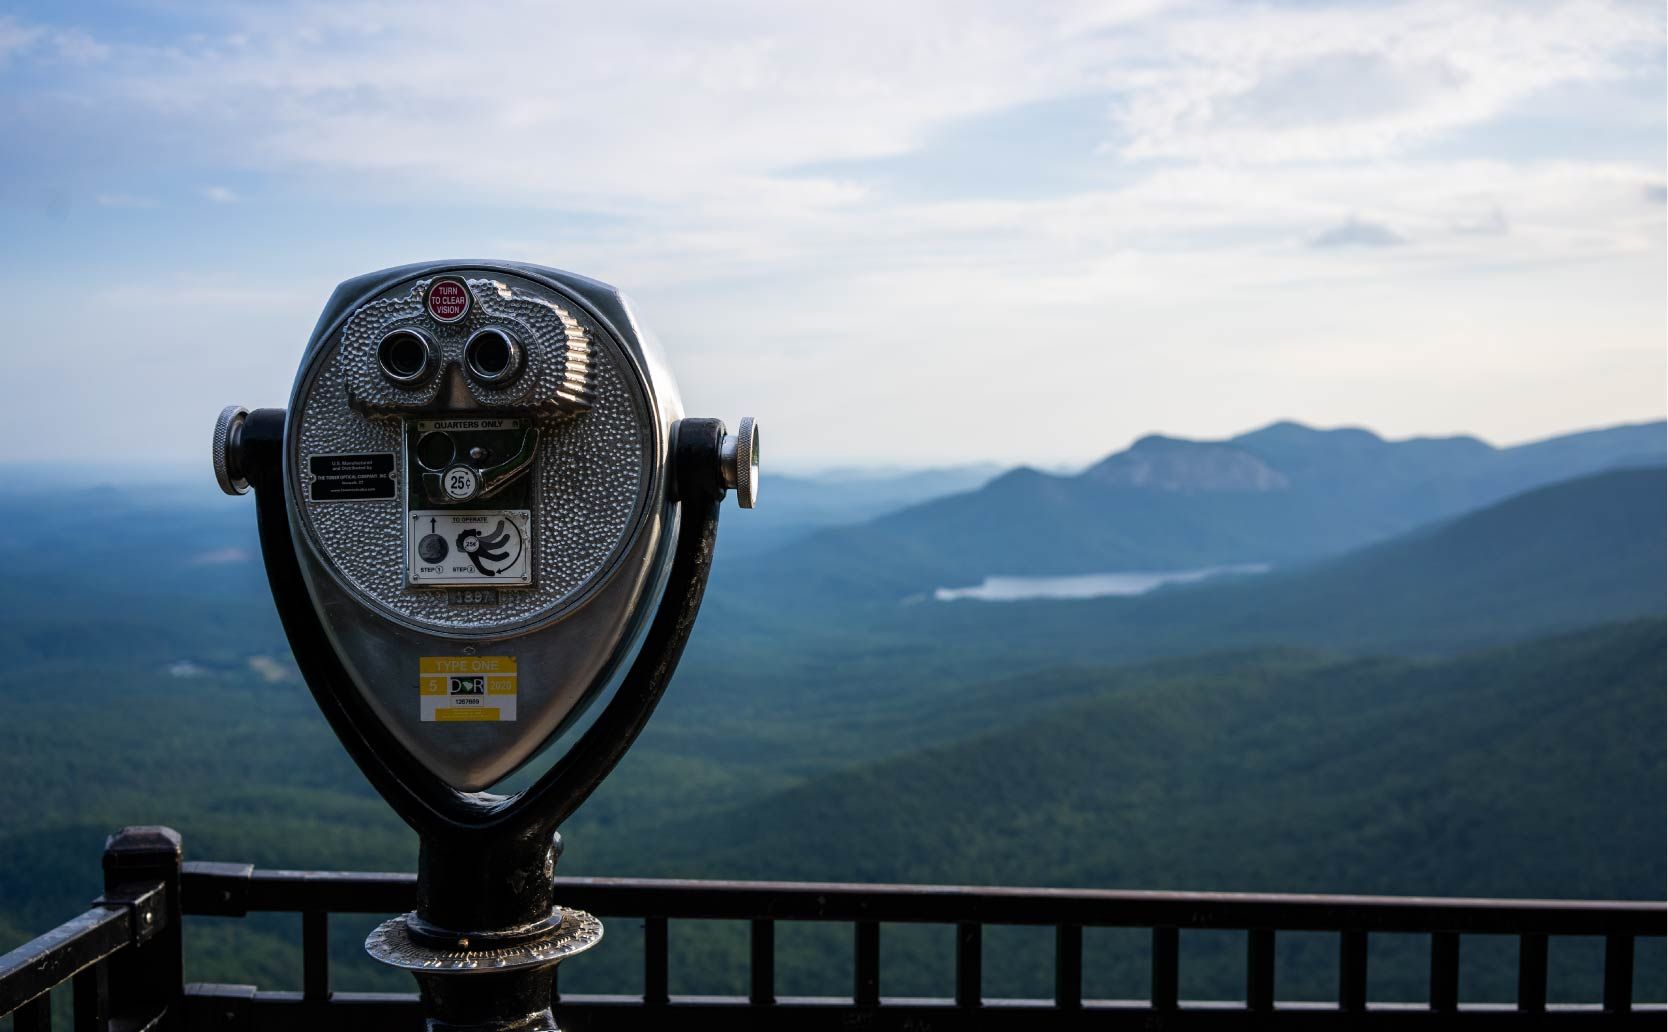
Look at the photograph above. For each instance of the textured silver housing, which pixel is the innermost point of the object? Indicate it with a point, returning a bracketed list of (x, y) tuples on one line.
[(592, 471), (555, 381), (601, 522)]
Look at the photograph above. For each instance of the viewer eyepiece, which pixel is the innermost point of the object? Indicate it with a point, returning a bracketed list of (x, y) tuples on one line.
[(493, 356), (406, 357)]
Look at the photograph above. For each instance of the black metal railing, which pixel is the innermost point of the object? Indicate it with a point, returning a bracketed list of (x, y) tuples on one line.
[(124, 962)]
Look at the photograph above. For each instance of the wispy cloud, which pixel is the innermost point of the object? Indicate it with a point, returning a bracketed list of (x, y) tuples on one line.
[(728, 164), (72, 46), (1491, 223), (1361, 81), (1354, 232), (15, 37), (649, 104)]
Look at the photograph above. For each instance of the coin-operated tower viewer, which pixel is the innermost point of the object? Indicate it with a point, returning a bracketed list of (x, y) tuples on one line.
[(483, 492)]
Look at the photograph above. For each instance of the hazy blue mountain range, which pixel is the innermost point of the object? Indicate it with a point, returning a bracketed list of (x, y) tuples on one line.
[(1280, 494), (1467, 704), (877, 676), (1556, 557), (799, 504)]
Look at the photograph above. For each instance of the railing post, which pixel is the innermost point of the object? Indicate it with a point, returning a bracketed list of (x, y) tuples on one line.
[(866, 964), (1165, 967), (1531, 972), (1445, 959), (1068, 966), (1618, 972), (969, 965), (763, 990), (655, 948), (1352, 970), (147, 981), (1259, 969), (315, 956)]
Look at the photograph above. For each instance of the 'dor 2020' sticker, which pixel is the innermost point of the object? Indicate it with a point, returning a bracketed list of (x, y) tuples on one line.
[(454, 688)]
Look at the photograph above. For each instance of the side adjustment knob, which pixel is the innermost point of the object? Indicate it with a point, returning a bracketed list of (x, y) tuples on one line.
[(739, 461), (228, 450)]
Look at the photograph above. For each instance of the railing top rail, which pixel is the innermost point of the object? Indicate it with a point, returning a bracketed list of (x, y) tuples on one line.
[(239, 888), (43, 963)]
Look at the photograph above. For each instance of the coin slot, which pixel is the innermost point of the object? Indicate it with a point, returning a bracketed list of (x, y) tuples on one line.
[(406, 357), (435, 451), (493, 356)]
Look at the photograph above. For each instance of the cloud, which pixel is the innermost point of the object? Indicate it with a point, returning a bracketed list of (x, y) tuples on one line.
[(70, 46), (1354, 232), (1280, 84), (15, 37), (726, 166), (649, 105), (1491, 223), (77, 47)]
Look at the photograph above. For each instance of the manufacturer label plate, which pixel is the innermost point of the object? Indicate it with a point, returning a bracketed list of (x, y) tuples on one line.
[(351, 478), (466, 688), (451, 547)]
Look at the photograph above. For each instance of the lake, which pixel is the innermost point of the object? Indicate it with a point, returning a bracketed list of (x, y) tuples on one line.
[(1087, 585)]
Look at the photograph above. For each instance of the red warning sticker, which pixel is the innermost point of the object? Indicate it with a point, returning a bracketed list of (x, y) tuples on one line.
[(447, 300)]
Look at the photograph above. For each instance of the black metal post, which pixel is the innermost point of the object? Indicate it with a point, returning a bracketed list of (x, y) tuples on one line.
[(486, 936), (142, 872), (487, 932)]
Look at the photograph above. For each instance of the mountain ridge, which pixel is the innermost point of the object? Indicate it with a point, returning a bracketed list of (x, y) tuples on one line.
[(1279, 494)]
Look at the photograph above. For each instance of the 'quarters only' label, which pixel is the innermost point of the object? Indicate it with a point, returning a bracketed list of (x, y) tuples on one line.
[(467, 688)]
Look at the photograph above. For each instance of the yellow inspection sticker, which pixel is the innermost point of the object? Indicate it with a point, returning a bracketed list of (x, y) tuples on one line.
[(467, 687)]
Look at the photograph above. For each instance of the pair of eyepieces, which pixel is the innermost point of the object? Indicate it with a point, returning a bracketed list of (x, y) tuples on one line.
[(492, 357)]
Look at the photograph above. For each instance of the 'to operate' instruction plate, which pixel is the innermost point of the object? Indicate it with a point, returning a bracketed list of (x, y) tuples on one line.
[(449, 547)]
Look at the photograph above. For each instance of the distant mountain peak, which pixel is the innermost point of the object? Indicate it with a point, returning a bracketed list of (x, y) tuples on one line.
[(1292, 430), (1158, 463)]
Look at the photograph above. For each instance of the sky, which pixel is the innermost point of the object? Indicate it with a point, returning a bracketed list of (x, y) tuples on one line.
[(897, 234)]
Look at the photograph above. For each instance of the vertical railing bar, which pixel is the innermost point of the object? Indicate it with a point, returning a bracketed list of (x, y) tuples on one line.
[(91, 990), (1531, 972), (866, 964), (1068, 966), (148, 979), (969, 965), (764, 962), (34, 1016), (1166, 949), (1445, 956), (1618, 972), (655, 949), (315, 956), (1259, 969), (1352, 970)]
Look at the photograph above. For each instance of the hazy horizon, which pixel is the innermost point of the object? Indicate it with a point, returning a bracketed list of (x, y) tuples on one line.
[(987, 233), (82, 473)]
